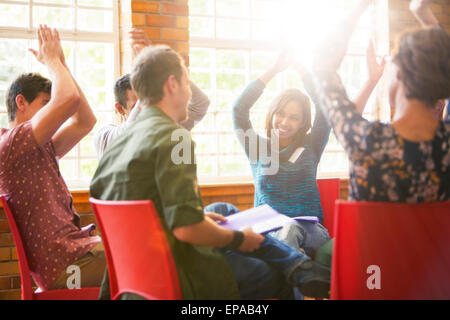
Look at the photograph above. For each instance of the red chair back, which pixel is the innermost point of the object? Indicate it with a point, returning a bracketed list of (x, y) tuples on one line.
[(139, 256), (25, 278), (329, 190), (391, 251)]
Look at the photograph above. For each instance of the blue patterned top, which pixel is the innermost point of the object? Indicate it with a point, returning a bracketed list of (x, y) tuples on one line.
[(383, 165), (292, 190)]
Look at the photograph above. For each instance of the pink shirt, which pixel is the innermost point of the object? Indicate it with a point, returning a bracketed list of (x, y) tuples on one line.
[(41, 204)]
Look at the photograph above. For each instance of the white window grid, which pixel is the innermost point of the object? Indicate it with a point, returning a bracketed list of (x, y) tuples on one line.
[(72, 38), (214, 43)]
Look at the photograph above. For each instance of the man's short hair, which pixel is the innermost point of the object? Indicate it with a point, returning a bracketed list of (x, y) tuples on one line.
[(29, 85), (120, 89), (151, 69)]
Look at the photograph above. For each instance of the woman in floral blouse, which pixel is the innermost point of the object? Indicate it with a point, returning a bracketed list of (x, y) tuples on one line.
[(407, 160)]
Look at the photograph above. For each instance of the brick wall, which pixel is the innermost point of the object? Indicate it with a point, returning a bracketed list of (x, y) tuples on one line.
[(401, 19), (165, 22)]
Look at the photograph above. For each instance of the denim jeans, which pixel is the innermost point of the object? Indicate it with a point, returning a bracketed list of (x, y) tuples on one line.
[(262, 273), (306, 235)]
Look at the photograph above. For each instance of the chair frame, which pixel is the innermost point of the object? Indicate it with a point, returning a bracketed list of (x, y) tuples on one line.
[(25, 275), (116, 291)]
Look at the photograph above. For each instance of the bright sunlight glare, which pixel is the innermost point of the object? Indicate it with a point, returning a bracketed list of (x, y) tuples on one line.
[(304, 24)]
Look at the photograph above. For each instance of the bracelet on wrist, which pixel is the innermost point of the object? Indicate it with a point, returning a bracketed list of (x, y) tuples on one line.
[(238, 238)]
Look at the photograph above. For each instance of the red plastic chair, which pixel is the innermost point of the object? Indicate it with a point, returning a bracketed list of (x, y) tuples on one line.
[(138, 254), (25, 278), (329, 190), (409, 243)]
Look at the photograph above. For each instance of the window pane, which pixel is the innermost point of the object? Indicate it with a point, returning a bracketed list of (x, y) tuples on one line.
[(225, 100), (96, 3), (228, 143), (232, 8), (54, 1), (60, 18), (261, 61), (265, 9), (201, 79), (68, 169), (265, 31), (87, 146), (201, 7), (88, 168), (3, 120), (230, 59), (97, 100), (234, 166), (103, 119), (201, 27), (231, 82), (204, 143), (232, 29), (206, 166), (14, 15), (95, 20), (200, 58), (333, 162), (224, 122)]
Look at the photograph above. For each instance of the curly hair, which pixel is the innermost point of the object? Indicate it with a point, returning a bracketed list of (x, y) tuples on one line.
[(423, 59)]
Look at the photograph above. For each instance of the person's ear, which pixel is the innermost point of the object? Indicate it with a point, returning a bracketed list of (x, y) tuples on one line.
[(120, 109), (172, 83), (21, 102)]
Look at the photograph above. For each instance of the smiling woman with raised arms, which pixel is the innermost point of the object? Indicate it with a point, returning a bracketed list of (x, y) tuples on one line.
[(295, 146)]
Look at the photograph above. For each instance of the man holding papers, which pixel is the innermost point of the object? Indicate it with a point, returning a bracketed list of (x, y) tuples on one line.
[(212, 262)]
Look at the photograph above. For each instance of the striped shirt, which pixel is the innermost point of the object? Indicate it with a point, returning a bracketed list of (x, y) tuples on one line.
[(293, 189)]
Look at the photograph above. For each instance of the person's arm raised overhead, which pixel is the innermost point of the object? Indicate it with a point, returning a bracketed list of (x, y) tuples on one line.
[(332, 51), (78, 126), (241, 108), (349, 126), (283, 61), (197, 108), (422, 11), (65, 98), (375, 70), (139, 40)]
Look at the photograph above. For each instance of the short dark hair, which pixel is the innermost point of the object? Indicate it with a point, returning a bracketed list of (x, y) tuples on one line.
[(152, 67), (29, 85), (423, 59), (120, 89)]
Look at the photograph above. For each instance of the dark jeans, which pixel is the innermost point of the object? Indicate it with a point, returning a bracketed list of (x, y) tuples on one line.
[(262, 273)]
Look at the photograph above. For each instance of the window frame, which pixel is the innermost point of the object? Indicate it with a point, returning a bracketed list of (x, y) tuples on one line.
[(381, 30), (73, 35)]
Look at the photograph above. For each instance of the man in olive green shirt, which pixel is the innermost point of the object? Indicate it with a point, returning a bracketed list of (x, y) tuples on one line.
[(147, 163)]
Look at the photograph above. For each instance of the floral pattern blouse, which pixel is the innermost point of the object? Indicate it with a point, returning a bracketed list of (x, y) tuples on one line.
[(383, 165)]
